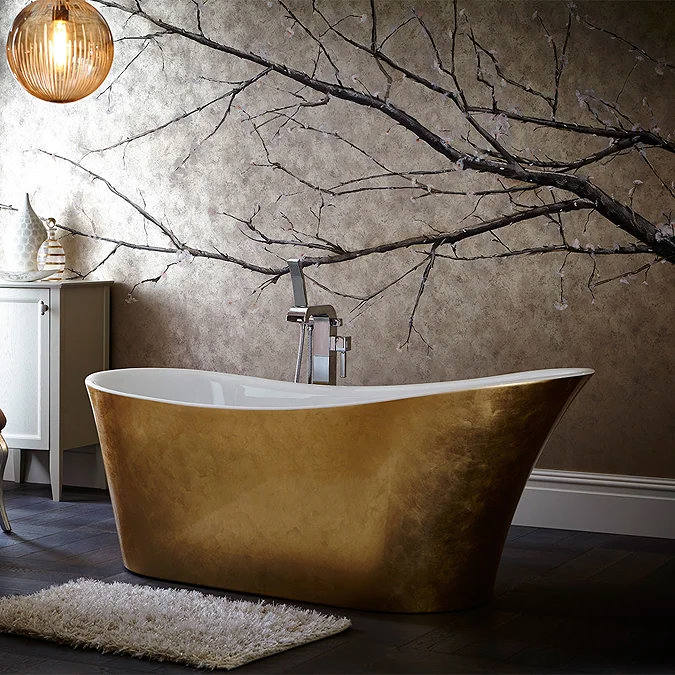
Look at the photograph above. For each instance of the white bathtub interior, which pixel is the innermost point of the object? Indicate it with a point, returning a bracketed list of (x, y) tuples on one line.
[(222, 390)]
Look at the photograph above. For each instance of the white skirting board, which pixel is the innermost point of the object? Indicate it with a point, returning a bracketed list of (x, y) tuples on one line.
[(592, 502)]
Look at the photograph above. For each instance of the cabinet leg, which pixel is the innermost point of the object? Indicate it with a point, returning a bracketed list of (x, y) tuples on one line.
[(16, 462), (56, 473), (4, 452)]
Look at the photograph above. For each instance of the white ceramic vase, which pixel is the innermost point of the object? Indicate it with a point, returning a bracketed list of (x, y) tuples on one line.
[(22, 240)]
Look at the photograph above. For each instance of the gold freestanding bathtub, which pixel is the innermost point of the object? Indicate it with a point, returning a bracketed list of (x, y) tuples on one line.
[(393, 498)]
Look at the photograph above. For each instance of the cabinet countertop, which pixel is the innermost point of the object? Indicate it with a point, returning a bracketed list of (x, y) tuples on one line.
[(53, 284)]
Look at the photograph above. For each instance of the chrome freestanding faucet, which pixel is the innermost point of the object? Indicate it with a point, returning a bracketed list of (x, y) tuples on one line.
[(318, 325)]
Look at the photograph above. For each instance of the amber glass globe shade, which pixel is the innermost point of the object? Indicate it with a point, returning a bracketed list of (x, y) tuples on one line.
[(60, 50)]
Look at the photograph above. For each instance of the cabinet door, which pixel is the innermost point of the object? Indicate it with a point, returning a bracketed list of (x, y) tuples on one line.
[(24, 366)]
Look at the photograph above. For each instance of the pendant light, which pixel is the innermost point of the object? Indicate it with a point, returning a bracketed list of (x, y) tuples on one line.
[(60, 50)]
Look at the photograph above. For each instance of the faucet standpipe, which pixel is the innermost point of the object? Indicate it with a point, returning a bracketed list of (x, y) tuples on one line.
[(318, 324)]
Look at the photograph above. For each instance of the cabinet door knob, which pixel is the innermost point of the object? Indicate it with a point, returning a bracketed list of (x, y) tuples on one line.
[(43, 308)]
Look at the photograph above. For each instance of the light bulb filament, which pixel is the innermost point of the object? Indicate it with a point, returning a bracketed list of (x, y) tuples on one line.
[(59, 44)]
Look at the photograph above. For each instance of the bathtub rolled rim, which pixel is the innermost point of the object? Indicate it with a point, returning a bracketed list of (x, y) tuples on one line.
[(309, 396)]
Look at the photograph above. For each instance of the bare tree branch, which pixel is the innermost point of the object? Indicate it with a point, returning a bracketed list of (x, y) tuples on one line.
[(610, 208), (492, 188)]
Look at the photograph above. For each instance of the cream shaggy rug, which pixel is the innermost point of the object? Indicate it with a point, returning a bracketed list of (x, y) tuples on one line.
[(163, 624)]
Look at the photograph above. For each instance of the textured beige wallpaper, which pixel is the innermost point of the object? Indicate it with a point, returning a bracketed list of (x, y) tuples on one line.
[(343, 177)]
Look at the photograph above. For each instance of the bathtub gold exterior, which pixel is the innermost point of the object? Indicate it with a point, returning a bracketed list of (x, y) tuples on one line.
[(394, 506)]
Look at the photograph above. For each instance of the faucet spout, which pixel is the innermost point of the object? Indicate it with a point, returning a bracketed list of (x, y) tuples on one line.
[(298, 281)]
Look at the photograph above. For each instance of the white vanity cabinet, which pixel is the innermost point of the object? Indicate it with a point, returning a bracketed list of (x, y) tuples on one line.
[(52, 335)]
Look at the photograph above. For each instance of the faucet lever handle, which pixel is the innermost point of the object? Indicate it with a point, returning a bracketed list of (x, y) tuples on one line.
[(342, 345)]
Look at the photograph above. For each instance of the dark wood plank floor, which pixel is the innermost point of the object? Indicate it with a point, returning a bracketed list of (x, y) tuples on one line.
[(565, 602)]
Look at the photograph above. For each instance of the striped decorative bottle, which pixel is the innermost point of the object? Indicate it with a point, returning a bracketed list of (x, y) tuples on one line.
[(51, 255)]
